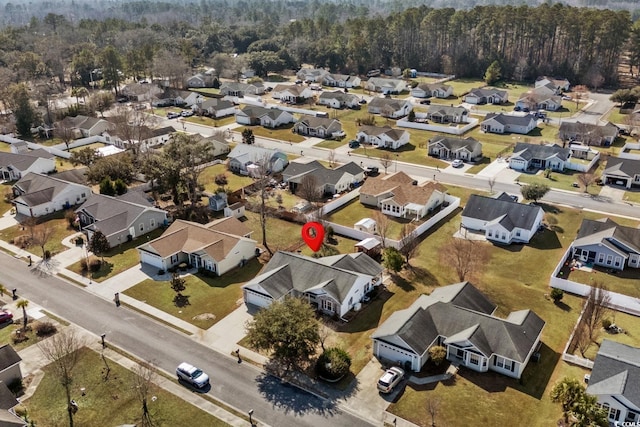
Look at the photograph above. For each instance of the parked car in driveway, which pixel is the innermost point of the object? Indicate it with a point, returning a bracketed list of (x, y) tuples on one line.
[(457, 163), (390, 379), (187, 113), (354, 143), (6, 316), (171, 115), (194, 376)]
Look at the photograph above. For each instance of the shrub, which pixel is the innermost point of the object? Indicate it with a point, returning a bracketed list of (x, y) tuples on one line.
[(47, 254), (94, 265), (16, 387), (45, 329), (79, 241), (437, 354), (333, 364), (160, 272), (556, 294), (606, 323)]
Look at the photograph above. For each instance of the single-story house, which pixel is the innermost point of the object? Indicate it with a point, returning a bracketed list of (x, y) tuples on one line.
[(315, 75), (341, 80), (217, 141), (539, 100), (504, 123), (267, 117), (140, 137), (120, 219), (328, 180), (605, 243), (36, 194), (218, 246), (427, 90), (368, 225), (215, 107), (447, 114), (320, 127), (397, 195), (502, 219), (83, 126), (383, 136), (140, 92), (461, 319), (535, 156), (621, 171), (338, 99), (446, 147), (588, 133), (486, 95), (385, 85), (185, 98), (332, 285), (558, 85), (13, 166), (291, 93), (244, 155), (388, 107), (241, 89), (615, 382), (9, 373), (201, 80)]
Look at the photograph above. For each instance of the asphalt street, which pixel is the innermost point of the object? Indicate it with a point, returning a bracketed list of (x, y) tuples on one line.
[(241, 386)]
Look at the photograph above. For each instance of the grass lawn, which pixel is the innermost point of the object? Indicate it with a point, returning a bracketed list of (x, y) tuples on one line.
[(288, 200), (462, 86), (567, 110), (64, 165), (632, 196), (55, 222), (281, 235), (332, 144), (624, 282), (282, 133), (354, 211), (561, 180), (113, 400), (94, 146), (235, 182), (615, 116), (210, 298), (512, 282), (118, 259), (7, 330), (208, 121), (409, 153), (5, 188), (5, 147), (630, 324)]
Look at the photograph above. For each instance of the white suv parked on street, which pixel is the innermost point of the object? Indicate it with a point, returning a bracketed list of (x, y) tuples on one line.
[(192, 375)]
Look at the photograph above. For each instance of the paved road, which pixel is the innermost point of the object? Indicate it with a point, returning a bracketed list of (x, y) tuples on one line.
[(239, 385), (592, 114)]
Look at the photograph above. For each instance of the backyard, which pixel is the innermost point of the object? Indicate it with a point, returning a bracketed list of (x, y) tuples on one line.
[(113, 399), (234, 181), (282, 133)]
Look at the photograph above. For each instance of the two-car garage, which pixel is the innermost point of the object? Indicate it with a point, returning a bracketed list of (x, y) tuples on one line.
[(254, 297)]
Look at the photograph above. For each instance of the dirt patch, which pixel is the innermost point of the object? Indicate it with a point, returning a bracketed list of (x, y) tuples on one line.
[(204, 316)]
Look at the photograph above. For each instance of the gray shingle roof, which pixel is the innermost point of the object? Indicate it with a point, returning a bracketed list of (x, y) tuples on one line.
[(537, 151), (448, 110), (490, 209), (616, 371), (622, 167), (8, 357), (486, 92), (605, 230), (439, 315), (395, 104), (455, 144), (316, 122), (393, 133), (510, 119), (322, 174), (38, 189), (23, 161), (287, 271)]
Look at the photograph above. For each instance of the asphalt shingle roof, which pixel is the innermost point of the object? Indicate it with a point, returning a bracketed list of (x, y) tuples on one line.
[(8, 357), (537, 151), (605, 230), (616, 371), (23, 161), (455, 144), (622, 167), (39, 189), (492, 209), (510, 119)]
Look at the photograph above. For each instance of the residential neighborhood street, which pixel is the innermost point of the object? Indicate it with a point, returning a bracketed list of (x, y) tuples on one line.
[(240, 386)]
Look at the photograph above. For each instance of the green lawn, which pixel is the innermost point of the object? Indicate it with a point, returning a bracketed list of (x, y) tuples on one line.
[(209, 298), (281, 235), (113, 399), (5, 188), (282, 133), (235, 182), (208, 121), (56, 223), (354, 211), (624, 282), (630, 324), (616, 117), (632, 196), (118, 259), (288, 200), (462, 86), (7, 329)]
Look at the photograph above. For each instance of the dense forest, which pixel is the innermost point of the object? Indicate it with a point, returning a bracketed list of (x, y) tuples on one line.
[(582, 44)]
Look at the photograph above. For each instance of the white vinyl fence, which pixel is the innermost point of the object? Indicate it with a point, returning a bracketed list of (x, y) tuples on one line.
[(454, 129)]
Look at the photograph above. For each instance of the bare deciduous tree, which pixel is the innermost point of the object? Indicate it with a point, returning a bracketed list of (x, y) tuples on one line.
[(596, 309), (408, 242), (581, 338), (61, 350), (465, 256), (143, 386), (382, 224), (585, 180), (41, 236), (331, 157), (433, 406), (385, 160), (491, 181), (263, 173)]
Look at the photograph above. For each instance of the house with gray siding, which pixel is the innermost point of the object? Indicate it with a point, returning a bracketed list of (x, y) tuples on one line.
[(446, 147), (535, 156), (461, 319), (508, 123), (607, 244), (622, 171), (329, 181)]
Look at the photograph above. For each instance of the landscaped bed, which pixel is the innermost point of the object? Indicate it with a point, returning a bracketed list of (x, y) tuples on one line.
[(55, 223)]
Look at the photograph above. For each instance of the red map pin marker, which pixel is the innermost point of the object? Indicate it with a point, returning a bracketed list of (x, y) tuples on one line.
[(313, 235)]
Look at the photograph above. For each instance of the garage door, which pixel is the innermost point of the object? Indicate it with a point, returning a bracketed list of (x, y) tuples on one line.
[(391, 353), (255, 298), (150, 259)]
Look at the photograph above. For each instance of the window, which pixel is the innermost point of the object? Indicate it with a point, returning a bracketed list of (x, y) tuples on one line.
[(617, 261), (141, 227), (490, 233), (474, 359), (518, 233), (152, 222), (609, 259), (613, 413), (600, 258), (84, 195)]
